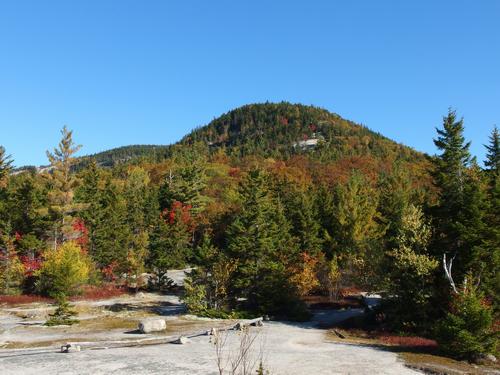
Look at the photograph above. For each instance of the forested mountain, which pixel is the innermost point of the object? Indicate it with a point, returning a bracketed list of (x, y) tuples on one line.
[(282, 129), (278, 130)]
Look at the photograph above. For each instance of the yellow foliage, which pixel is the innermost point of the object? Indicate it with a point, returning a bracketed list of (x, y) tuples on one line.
[(64, 269)]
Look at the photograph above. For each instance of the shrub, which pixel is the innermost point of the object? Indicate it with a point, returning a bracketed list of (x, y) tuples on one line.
[(63, 314), (466, 331), (64, 270)]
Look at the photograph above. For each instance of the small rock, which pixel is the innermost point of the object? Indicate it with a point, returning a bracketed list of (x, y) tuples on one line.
[(70, 348), (182, 340), (152, 325), (258, 323), (266, 318), (140, 295)]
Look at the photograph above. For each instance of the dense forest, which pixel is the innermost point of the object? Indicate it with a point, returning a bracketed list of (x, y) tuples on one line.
[(270, 203)]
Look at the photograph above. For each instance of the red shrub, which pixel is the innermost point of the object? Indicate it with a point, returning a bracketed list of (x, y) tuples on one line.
[(408, 341), (22, 299)]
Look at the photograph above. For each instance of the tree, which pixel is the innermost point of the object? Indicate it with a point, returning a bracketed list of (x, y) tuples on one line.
[(186, 182), (458, 215), (466, 332), (64, 270), (62, 183), (492, 161), (5, 166), (259, 240), (135, 194), (491, 255), (410, 272), (170, 242), (11, 268)]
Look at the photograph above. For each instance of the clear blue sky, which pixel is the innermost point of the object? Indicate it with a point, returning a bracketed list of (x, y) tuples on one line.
[(146, 72)]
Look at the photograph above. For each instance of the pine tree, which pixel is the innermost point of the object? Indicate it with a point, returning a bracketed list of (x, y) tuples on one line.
[(186, 182), (493, 153), (5, 166), (135, 194), (259, 240), (62, 183), (491, 255), (410, 271), (170, 242), (458, 216)]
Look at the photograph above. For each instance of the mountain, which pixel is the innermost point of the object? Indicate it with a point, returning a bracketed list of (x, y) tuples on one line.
[(283, 129), (124, 154), (277, 130)]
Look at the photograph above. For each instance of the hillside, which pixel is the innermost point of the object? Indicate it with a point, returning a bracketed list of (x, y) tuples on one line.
[(283, 129), (278, 130)]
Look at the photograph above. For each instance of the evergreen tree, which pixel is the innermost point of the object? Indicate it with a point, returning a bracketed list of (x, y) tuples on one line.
[(458, 216), (410, 272), (259, 240), (135, 194), (491, 255), (62, 183), (170, 242), (186, 182), (5, 166), (356, 218), (305, 227), (492, 161)]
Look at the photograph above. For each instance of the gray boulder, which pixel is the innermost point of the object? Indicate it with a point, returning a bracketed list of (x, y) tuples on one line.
[(152, 325)]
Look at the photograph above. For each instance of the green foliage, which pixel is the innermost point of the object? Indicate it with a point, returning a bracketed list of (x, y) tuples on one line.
[(5, 166), (259, 240), (187, 181), (410, 272), (11, 268), (64, 270), (466, 330), (63, 315), (62, 183)]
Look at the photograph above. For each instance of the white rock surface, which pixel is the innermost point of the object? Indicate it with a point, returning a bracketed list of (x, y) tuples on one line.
[(152, 325)]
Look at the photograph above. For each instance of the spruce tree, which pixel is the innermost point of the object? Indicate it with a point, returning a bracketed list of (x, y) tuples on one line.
[(259, 240), (492, 161), (458, 215), (5, 166)]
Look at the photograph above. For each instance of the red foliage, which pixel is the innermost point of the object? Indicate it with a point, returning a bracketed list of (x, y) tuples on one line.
[(312, 127), (408, 341), (178, 211), (100, 292), (30, 264), (83, 238), (283, 121), (109, 271), (18, 236), (22, 299)]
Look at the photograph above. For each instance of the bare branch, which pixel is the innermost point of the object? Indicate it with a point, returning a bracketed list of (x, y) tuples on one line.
[(447, 270)]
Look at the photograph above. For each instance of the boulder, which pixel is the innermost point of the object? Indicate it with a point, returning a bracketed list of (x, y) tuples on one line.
[(152, 325), (182, 340)]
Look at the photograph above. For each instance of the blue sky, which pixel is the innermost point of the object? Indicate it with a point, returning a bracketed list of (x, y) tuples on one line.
[(146, 72)]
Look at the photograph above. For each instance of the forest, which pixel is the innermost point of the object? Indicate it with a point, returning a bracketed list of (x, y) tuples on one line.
[(263, 222)]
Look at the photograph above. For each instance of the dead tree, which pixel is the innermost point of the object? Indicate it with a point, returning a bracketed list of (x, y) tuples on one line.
[(447, 271)]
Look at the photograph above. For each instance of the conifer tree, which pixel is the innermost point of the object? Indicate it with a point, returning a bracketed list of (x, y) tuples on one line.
[(62, 182), (458, 216), (259, 240), (186, 182), (492, 161), (5, 166)]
